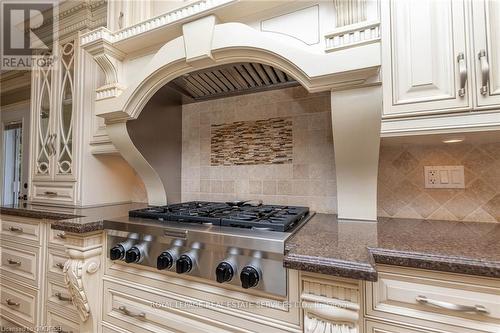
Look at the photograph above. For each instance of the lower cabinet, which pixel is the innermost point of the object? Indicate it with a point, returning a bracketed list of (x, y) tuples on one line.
[(434, 301)]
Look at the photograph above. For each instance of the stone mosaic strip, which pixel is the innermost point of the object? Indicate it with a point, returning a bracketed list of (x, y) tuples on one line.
[(268, 141)]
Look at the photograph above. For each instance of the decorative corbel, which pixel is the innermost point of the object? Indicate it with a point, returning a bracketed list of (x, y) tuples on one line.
[(82, 278), (109, 59)]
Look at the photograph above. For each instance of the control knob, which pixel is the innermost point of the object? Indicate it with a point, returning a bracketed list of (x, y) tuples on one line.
[(184, 264), (165, 260), (224, 272), (249, 277), (138, 252)]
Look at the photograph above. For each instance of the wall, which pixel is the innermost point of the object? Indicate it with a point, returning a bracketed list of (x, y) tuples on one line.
[(401, 191), (307, 178)]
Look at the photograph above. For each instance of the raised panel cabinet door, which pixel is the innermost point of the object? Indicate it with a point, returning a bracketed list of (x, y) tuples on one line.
[(486, 27), (425, 61)]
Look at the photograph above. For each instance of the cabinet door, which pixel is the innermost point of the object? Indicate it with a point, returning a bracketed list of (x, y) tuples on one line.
[(425, 59), (486, 27), (65, 111), (43, 114)]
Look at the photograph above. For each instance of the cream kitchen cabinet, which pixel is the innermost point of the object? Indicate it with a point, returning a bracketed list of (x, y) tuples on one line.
[(32, 288), (425, 58), (440, 65), (486, 29)]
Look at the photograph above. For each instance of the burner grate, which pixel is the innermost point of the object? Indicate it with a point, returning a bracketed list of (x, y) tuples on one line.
[(250, 216)]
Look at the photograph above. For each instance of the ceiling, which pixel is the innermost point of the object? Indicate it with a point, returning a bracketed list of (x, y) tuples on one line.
[(231, 79)]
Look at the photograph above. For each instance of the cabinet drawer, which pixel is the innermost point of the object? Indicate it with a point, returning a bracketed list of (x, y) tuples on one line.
[(132, 309), (376, 327), (20, 262), (14, 228), (50, 192), (57, 237), (55, 263), (59, 323), (59, 297), (433, 299), (19, 303)]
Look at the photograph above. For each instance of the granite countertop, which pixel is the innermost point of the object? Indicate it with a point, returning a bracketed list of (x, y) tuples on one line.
[(341, 248), (78, 220), (351, 249)]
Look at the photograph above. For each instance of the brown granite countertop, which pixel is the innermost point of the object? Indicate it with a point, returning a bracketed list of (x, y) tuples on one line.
[(78, 220), (352, 249)]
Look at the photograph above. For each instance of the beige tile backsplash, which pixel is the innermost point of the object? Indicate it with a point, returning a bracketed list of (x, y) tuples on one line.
[(401, 191), (310, 179)]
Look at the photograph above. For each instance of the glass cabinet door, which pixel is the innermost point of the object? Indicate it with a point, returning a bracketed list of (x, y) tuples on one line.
[(45, 145), (65, 116)]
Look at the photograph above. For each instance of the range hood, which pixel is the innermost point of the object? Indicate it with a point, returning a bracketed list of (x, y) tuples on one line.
[(231, 79)]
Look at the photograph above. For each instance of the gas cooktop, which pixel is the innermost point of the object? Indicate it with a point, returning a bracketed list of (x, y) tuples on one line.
[(240, 214)]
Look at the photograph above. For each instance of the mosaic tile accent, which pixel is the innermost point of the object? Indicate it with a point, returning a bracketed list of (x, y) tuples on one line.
[(267, 141), (401, 191)]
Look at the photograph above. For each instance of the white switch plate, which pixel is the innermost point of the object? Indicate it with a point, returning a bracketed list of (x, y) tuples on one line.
[(444, 176)]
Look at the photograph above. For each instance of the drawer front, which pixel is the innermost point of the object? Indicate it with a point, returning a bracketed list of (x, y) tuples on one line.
[(466, 302), (59, 297), (376, 327), (20, 263), (60, 324), (19, 303), (50, 192), (20, 229), (133, 310), (57, 237), (55, 263)]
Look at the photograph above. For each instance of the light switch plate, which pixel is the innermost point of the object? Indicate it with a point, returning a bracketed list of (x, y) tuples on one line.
[(444, 176)]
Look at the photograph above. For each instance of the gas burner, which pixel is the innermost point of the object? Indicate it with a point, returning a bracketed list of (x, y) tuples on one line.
[(241, 214)]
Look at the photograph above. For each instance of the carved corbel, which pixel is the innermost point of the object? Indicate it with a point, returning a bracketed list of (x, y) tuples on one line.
[(109, 59), (82, 276)]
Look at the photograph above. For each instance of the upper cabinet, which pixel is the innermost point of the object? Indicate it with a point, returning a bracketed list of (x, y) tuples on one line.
[(441, 60), (486, 29), (425, 68), (54, 117)]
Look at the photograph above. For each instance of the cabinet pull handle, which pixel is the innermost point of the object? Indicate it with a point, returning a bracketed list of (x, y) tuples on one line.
[(462, 70), (59, 265), (13, 262), (16, 229), (50, 193), (62, 298), (125, 311), (61, 235), (451, 306), (485, 71), (11, 302)]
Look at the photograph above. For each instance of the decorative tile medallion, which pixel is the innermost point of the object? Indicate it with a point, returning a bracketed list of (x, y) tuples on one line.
[(267, 141)]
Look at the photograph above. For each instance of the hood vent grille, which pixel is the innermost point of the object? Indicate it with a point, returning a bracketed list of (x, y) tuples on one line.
[(232, 79)]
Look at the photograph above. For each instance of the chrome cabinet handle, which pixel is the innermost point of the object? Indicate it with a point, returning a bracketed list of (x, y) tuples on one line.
[(59, 265), (50, 193), (11, 302), (50, 145), (13, 262), (485, 71), (125, 311), (16, 229), (61, 235), (62, 298), (451, 306), (462, 70)]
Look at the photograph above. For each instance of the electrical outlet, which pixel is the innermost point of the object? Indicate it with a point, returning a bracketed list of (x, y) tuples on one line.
[(450, 176)]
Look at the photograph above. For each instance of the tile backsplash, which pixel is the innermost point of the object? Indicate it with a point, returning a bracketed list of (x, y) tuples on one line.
[(401, 191), (298, 171), (308, 177)]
